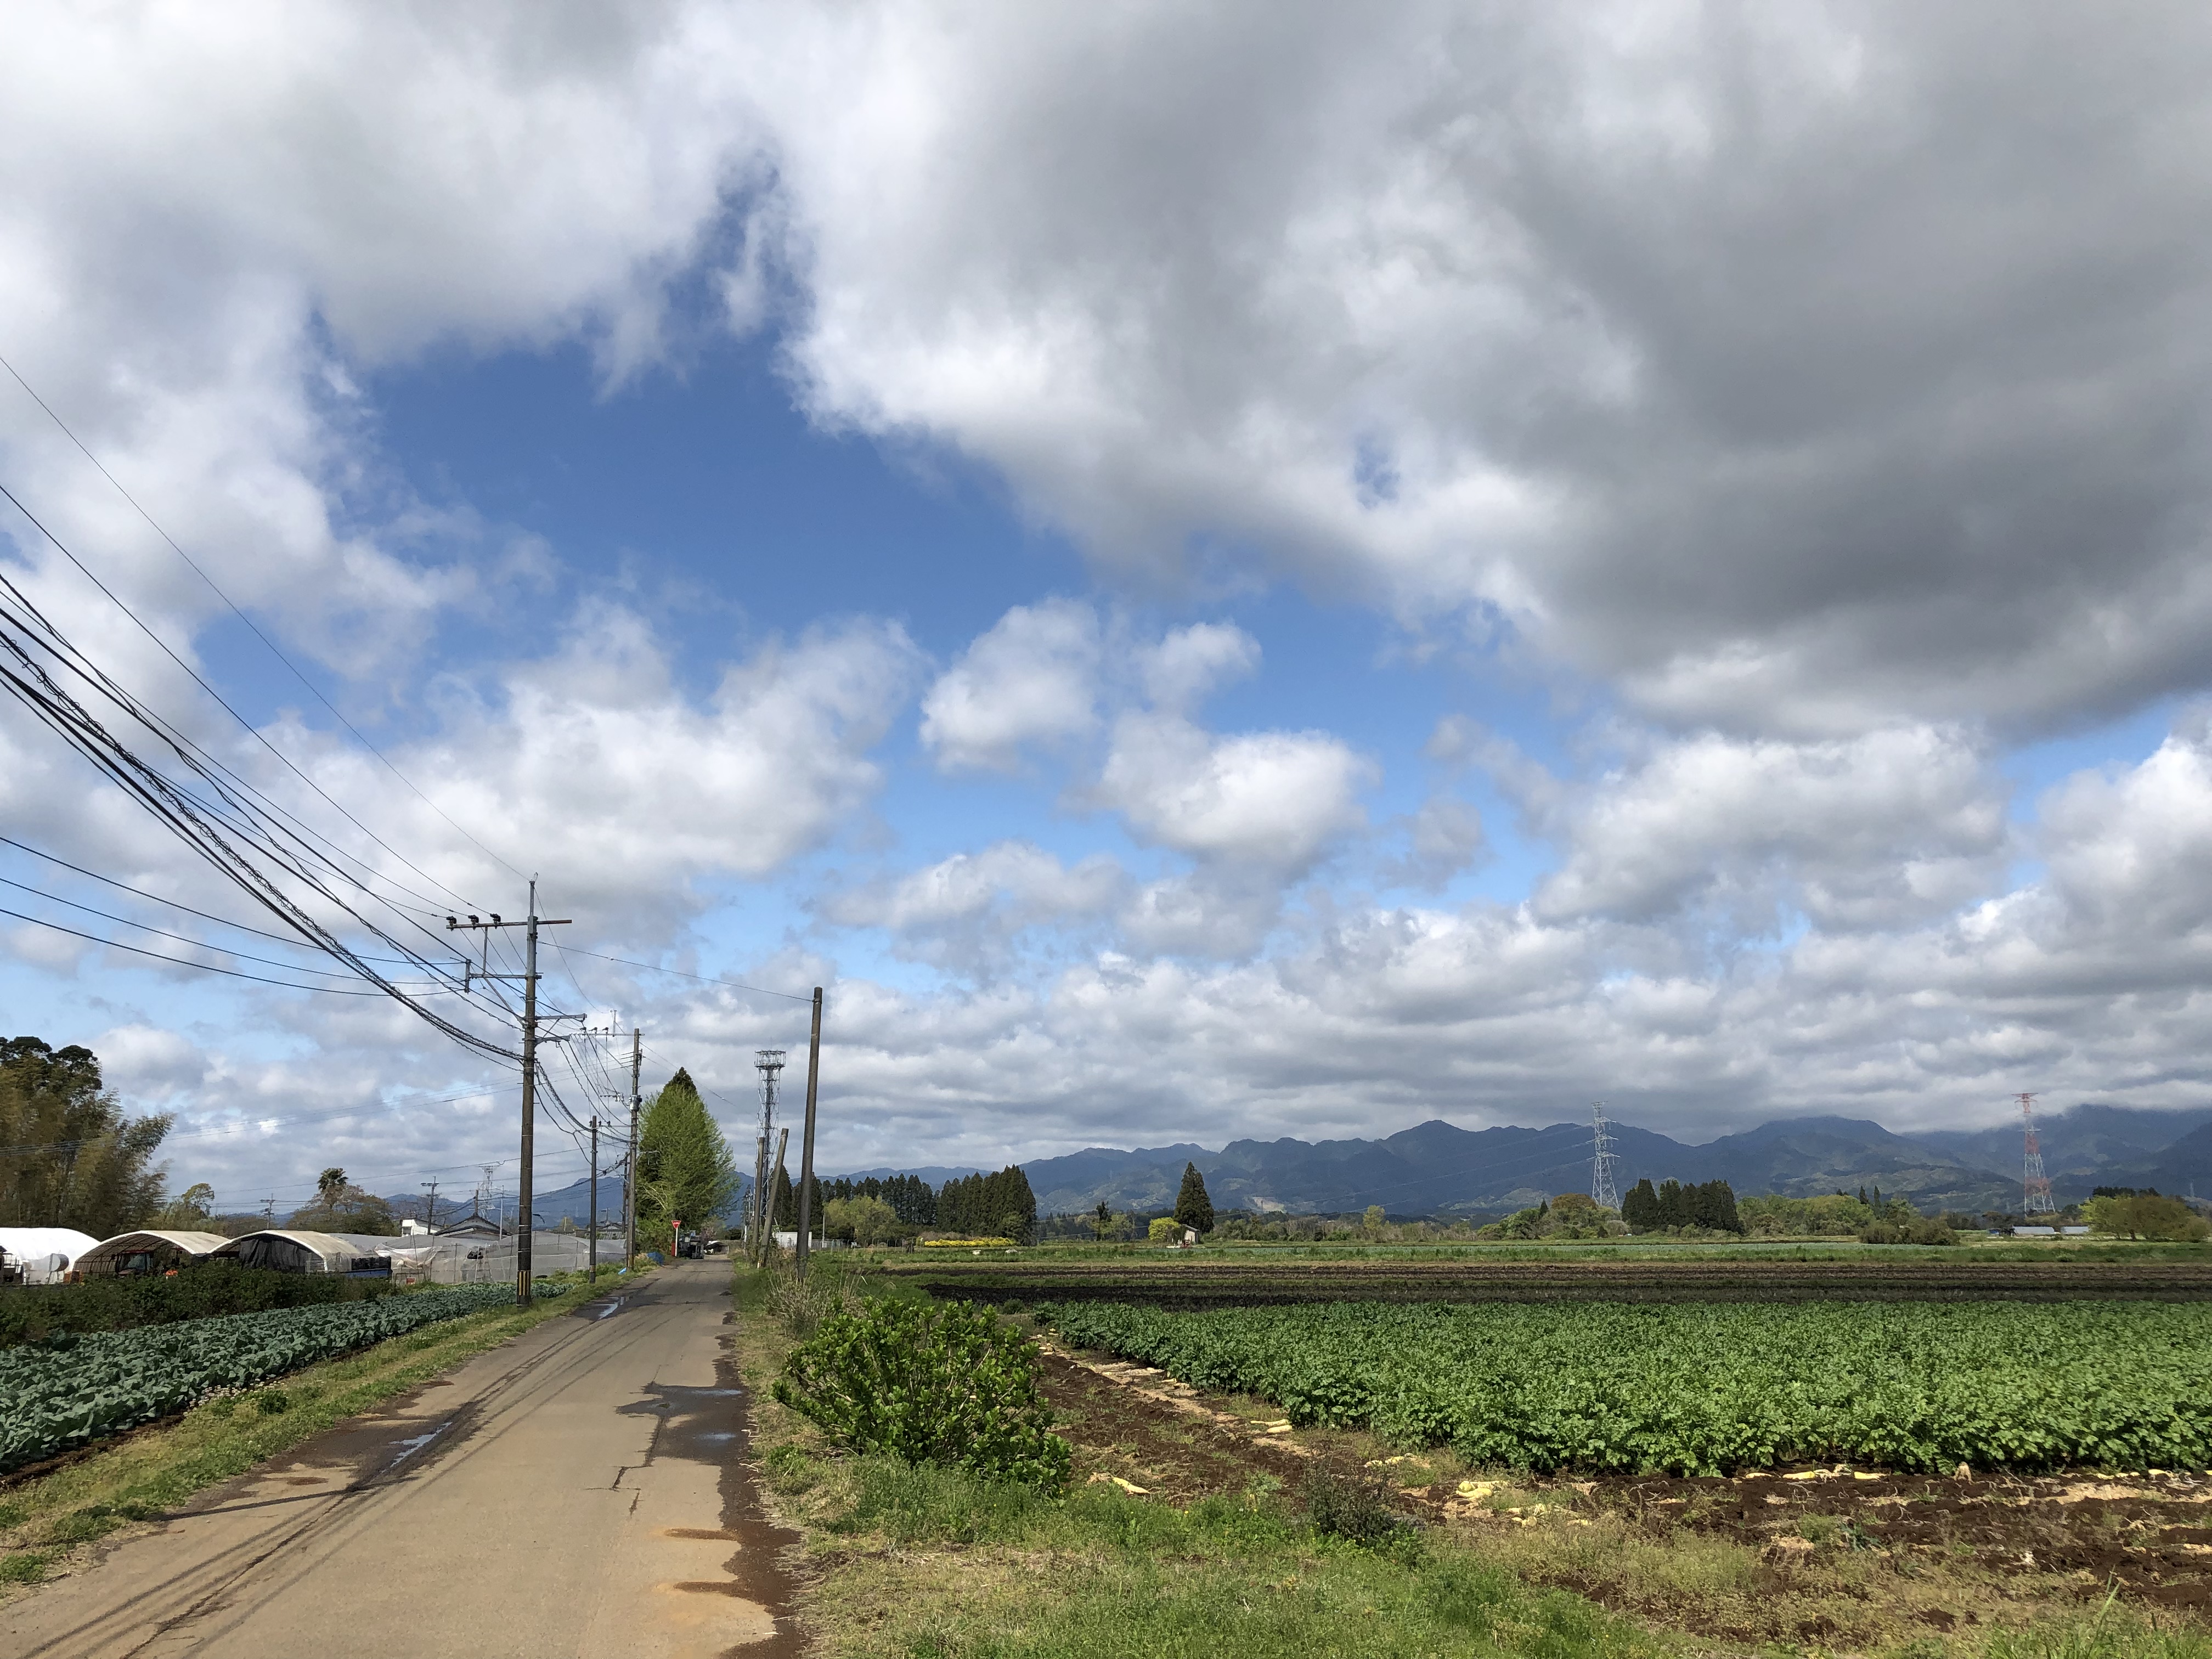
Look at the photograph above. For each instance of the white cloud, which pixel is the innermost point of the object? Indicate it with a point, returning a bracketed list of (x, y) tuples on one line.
[(1898, 826), (967, 911), (1031, 680), (1190, 662), (1807, 371), (1270, 801)]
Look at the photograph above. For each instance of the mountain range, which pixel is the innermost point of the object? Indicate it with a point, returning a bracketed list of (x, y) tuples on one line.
[(1438, 1169)]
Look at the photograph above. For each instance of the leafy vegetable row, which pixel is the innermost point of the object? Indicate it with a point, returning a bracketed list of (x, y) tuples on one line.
[(1711, 1388), (66, 1392)]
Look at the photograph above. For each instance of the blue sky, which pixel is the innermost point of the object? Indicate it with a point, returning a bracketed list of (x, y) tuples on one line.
[(1456, 594)]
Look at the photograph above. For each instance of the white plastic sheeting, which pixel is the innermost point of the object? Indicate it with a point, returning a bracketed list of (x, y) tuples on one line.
[(44, 1254)]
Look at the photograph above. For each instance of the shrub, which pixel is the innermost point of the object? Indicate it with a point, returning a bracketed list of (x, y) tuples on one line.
[(946, 1383), (800, 1305), (1355, 1508)]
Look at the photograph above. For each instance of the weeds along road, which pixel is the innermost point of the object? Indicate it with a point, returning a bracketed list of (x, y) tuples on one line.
[(577, 1491)]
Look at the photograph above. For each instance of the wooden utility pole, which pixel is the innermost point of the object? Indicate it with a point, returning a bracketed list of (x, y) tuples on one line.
[(629, 1180), (775, 1185), (807, 1139), (523, 1219)]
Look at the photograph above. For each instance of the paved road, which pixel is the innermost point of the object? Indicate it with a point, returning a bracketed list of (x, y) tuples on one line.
[(576, 1492)]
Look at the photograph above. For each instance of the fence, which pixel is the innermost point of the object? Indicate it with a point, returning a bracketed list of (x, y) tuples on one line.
[(481, 1260)]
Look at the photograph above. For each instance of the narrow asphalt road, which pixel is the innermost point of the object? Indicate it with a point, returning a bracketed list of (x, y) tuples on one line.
[(578, 1491)]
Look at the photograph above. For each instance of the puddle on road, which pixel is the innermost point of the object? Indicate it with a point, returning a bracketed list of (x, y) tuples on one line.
[(709, 1426)]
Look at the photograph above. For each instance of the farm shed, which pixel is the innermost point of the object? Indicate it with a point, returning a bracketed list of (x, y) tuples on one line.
[(127, 1255), (289, 1250), (42, 1255)]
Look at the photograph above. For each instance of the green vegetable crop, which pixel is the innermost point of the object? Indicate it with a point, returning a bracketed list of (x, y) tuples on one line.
[(1710, 1390), (70, 1390)]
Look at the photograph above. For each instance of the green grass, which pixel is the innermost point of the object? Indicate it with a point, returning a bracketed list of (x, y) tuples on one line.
[(937, 1564)]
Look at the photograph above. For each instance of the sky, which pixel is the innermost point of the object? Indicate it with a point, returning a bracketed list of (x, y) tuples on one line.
[(1207, 571)]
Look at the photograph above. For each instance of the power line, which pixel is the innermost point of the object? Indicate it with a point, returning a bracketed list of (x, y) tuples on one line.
[(236, 610), (181, 938), (704, 979), (205, 968), (252, 730), (140, 892)]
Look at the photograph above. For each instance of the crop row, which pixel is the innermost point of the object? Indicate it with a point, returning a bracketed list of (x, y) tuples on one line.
[(1709, 1389), (1172, 1282), (67, 1392)]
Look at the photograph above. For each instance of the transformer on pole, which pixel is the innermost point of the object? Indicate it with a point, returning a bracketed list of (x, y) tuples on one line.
[(2035, 1186), (1602, 1186)]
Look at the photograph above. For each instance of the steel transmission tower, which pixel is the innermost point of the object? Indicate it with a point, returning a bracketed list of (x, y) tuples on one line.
[(2035, 1186), (1602, 1160)]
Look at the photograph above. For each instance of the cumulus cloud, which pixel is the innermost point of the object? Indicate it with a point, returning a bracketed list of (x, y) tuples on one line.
[(966, 911), (1890, 828), (1799, 371), (1031, 680), (1268, 801)]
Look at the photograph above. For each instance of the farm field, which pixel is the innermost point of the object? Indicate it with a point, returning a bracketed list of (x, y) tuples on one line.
[(71, 1390), (1204, 1281), (1706, 1391)]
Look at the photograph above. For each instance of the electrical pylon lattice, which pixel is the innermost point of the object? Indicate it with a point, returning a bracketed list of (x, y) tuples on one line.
[(1602, 1162), (2035, 1186)]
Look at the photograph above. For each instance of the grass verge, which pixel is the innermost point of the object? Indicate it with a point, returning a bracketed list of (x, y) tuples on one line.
[(931, 1565), (49, 1523)]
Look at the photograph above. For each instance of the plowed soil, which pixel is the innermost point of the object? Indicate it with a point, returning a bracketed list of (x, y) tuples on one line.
[(1839, 1553), (1181, 1283)]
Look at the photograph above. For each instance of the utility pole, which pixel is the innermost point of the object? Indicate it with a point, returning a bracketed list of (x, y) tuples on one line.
[(807, 1139), (775, 1185), (430, 1208), (523, 1219), (269, 1209), (591, 1277), (629, 1178), (769, 1062)]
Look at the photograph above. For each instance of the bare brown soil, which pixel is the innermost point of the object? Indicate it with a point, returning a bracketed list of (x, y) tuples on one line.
[(1831, 1557), (1170, 1281)]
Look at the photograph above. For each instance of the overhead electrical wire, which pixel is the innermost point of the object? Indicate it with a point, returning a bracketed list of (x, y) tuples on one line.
[(173, 904), (221, 829), (205, 968), (198, 570), (181, 938), (704, 979)]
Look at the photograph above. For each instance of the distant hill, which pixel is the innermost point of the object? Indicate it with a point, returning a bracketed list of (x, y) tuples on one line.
[(1438, 1169)]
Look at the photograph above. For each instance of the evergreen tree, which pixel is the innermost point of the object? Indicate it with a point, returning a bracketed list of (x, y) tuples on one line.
[(684, 1168), (786, 1205), (1674, 1205), (1640, 1208), (1194, 1208)]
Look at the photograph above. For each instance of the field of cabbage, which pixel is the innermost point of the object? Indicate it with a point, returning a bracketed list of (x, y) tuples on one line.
[(1710, 1390), (68, 1391)]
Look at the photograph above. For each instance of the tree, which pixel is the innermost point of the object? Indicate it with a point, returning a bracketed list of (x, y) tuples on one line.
[(69, 1156), (2147, 1215), (998, 1206), (1193, 1207), (190, 1212), (685, 1168), (1102, 1221), (1640, 1208), (863, 1220), (342, 1207)]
